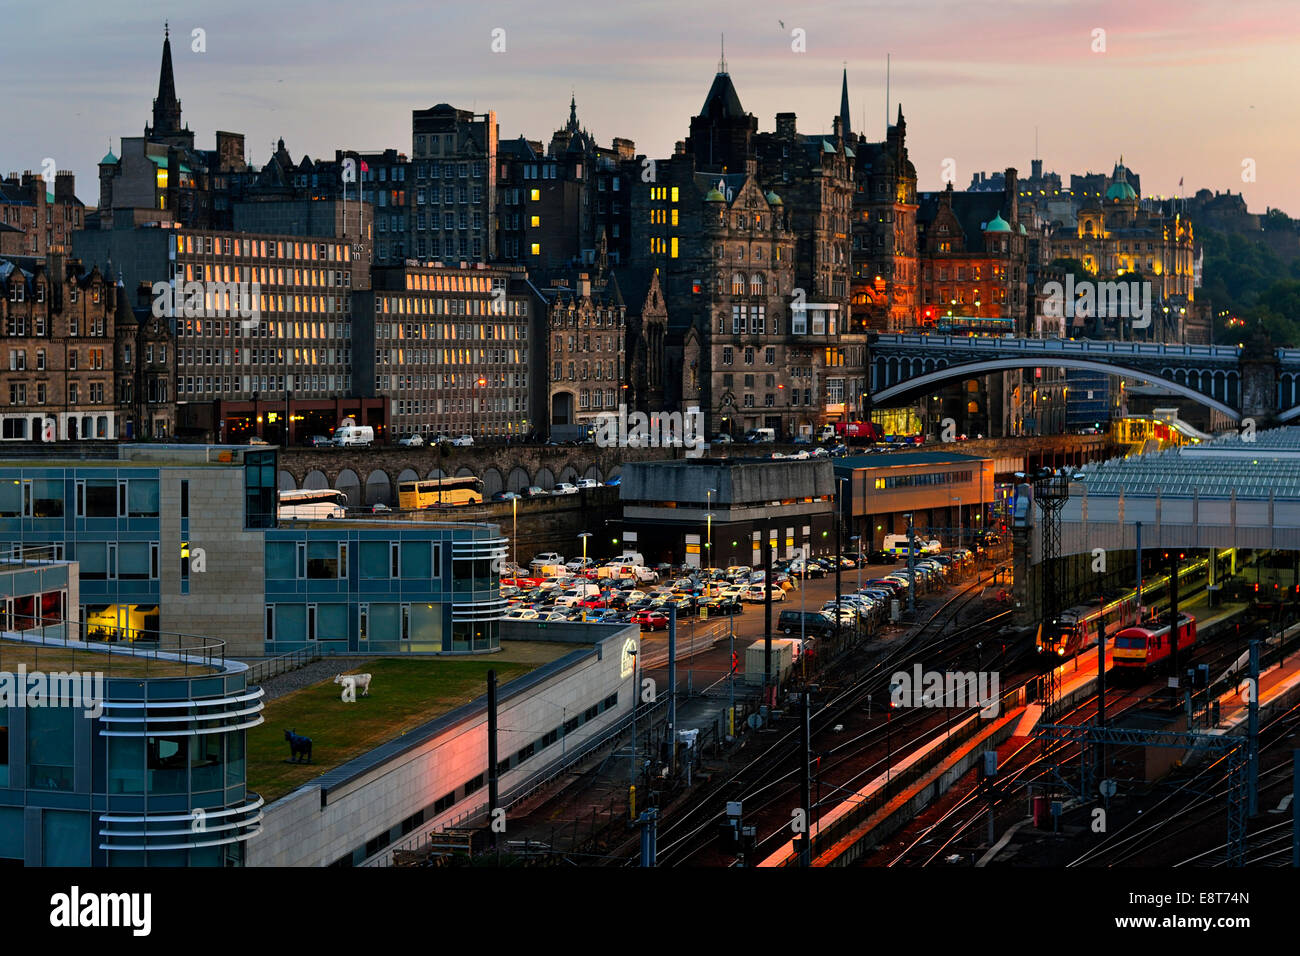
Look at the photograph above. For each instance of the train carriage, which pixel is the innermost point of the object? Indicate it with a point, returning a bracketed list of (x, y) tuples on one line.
[(1141, 650)]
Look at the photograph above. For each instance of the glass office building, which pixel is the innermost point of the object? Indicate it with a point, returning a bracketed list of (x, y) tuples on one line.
[(185, 539)]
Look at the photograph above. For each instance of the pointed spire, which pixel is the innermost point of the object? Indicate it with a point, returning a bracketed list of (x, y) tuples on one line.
[(844, 106), (166, 107), (573, 113), (722, 59)]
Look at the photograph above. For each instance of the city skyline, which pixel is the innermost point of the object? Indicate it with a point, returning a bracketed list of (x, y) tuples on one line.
[(249, 79)]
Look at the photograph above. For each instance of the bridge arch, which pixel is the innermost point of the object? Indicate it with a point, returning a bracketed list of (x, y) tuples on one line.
[(379, 488), (408, 474), (964, 370), (492, 482), (349, 483), (315, 480), (286, 481), (518, 480), (544, 478)]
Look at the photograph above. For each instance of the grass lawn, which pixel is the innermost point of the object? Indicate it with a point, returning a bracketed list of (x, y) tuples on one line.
[(404, 693)]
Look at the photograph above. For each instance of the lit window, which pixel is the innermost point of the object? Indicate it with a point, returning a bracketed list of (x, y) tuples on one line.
[(534, 194), (536, 249), (535, 221)]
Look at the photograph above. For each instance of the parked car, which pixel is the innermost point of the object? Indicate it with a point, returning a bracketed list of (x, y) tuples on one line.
[(379, 508), (536, 491), (318, 441), (807, 622), (565, 488), (505, 496), (257, 441), (464, 441), (614, 482), (754, 593), (721, 440), (651, 620), (724, 606), (522, 614), (411, 441), (585, 483), (546, 557)]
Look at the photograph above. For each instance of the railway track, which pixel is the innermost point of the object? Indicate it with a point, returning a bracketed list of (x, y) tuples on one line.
[(768, 781)]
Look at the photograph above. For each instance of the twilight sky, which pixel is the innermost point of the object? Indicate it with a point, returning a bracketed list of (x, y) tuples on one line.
[(1185, 88)]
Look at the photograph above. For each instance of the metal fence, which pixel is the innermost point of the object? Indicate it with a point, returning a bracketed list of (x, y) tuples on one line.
[(46, 644), (281, 663)]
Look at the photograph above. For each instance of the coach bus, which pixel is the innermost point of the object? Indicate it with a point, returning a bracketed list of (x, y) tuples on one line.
[(313, 503), (439, 493)]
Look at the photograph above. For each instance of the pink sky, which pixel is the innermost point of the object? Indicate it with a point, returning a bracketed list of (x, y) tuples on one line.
[(1184, 89)]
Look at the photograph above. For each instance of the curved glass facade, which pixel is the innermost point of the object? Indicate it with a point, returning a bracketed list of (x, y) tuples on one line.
[(150, 773)]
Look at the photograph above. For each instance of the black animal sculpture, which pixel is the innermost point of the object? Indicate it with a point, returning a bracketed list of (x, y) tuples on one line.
[(299, 747)]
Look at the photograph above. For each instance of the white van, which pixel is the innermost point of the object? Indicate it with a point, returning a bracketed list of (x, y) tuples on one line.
[(362, 435), (761, 436), (896, 544)]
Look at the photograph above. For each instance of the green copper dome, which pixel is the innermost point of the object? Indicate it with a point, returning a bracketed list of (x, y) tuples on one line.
[(714, 196), (108, 159), (774, 200), (1121, 191), (997, 224)]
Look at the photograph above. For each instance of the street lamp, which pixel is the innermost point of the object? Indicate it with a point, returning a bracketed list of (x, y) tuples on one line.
[(911, 565), (514, 530), (584, 536), (636, 699), (960, 536), (708, 547)]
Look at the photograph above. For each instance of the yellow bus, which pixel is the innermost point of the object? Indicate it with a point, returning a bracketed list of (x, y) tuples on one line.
[(439, 493)]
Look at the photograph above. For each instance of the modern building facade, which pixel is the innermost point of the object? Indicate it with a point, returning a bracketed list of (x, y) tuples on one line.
[(667, 507), (184, 539), (130, 760)]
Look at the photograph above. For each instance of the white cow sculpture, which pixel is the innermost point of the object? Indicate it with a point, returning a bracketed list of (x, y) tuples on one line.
[(360, 682)]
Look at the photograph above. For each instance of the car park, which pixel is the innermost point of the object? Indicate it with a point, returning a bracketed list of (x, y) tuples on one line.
[(546, 557), (755, 593), (806, 622), (522, 614)]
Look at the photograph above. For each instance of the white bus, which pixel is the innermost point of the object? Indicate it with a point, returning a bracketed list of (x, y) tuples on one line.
[(313, 504)]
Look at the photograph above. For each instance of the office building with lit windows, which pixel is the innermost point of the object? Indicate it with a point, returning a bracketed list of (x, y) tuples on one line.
[(453, 351), (273, 337)]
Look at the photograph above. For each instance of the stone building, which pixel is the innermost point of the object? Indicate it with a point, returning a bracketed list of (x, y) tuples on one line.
[(557, 205), (886, 269), (587, 352), (56, 376), (455, 168), (35, 221), (743, 344)]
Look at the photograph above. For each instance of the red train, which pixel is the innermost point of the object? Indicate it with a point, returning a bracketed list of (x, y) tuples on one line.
[(1140, 650)]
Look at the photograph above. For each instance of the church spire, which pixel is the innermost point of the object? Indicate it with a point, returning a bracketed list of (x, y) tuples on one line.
[(573, 113), (844, 106), (166, 107)]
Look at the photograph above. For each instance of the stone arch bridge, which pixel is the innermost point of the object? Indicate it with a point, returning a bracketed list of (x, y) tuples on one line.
[(370, 475)]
